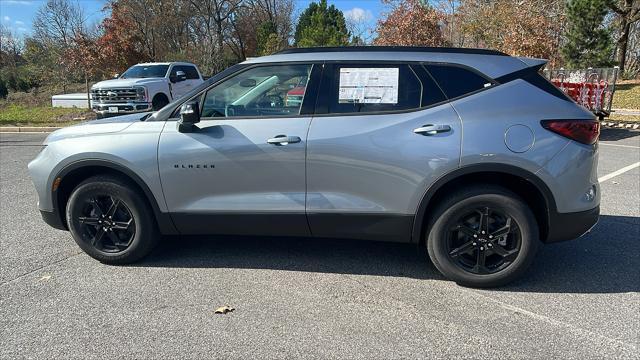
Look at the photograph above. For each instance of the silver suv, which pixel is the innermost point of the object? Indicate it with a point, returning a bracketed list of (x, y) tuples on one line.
[(469, 153)]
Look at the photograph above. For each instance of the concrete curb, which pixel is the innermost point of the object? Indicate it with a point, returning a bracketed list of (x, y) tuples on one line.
[(620, 124), (28, 129)]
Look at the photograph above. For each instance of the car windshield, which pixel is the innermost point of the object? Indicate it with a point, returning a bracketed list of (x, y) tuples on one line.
[(145, 71)]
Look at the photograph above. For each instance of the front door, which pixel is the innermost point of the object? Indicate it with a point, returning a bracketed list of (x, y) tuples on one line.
[(181, 84), (242, 171)]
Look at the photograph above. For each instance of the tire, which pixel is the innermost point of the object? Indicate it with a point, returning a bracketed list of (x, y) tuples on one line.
[(87, 213), (158, 102), (455, 239)]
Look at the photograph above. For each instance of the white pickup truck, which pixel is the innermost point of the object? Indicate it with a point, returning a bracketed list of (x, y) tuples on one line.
[(144, 87)]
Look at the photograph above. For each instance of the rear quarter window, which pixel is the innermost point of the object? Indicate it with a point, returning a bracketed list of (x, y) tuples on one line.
[(457, 81)]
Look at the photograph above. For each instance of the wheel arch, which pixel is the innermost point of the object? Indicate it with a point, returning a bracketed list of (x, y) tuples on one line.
[(161, 94), (73, 174), (524, 183)]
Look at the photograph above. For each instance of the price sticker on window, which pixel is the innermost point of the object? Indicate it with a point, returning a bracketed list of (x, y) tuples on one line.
[(368, 86)]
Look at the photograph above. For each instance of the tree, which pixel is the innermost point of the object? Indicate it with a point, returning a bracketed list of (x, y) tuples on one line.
[(321, 25), (84, 56), (211, 21), (120, 44), (628, 13), (520, 28), (267, 38), (588, 41), (55, 26), (410, 23)]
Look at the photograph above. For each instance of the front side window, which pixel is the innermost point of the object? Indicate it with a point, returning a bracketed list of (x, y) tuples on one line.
[(261, 91), (373, 88), (190, 71), (145, 71)]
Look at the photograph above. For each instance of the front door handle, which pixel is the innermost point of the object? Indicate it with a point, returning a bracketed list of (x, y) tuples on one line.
[(430, 129), (283, 140)]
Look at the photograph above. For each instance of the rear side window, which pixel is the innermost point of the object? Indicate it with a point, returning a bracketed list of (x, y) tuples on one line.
[(373, 88), (456, 81)]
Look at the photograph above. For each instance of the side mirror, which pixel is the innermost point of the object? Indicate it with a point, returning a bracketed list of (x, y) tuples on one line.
[(189, 116), (179, 76)]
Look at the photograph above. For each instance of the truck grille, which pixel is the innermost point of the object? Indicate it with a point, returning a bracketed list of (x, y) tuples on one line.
[(114, 95)]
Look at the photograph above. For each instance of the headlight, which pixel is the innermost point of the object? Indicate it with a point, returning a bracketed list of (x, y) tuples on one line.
[(141, 93)]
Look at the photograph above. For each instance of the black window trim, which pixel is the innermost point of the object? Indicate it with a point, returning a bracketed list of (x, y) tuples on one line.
[(316, 74), (322, 87), (326, 83)]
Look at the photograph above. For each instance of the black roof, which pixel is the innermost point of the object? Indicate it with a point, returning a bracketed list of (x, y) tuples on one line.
[(449, 50)]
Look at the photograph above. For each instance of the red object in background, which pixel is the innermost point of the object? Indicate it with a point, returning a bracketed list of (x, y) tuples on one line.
[(588, 94)]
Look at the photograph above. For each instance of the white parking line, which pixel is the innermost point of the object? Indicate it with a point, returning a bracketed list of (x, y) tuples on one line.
[(618, 172), (618, 145)]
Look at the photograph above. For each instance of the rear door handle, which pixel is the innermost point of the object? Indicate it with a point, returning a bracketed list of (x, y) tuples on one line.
[(283, 140), (430, 129)]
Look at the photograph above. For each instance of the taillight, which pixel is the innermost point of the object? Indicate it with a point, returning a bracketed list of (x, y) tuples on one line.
[(582, 131)]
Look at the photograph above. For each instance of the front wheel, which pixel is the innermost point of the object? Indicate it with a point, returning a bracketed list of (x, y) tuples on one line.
[(159, 102), (110, 221), (483, 237)]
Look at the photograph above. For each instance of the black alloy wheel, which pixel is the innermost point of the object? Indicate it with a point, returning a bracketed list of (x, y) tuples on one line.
[(111, 220), (484, 241), (106, 223), (482, 236)]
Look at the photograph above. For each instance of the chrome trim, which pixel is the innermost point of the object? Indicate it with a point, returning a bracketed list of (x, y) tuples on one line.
[(117, 94), (103, 108)]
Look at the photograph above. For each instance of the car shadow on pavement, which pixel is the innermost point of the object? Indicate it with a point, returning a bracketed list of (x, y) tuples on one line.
[(613, 134), (602, 261)]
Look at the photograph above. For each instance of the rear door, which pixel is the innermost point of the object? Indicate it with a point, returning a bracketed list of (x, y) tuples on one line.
[(242, 171), (383, 132)]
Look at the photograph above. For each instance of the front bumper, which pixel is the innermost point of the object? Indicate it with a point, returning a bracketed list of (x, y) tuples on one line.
[(53, 219), (568, 226), (123, 107)]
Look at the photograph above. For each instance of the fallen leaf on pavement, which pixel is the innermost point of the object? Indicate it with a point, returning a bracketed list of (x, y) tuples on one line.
[(45, 277), (224, 310)]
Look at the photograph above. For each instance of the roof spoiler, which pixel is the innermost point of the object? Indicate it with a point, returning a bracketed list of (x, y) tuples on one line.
[(533, 62)]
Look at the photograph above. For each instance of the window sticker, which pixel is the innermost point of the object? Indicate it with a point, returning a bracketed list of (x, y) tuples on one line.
[(368, 86)]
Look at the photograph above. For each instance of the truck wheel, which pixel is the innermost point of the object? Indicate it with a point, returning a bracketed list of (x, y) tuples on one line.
[(159, 101), (483, 236), (110, 221)]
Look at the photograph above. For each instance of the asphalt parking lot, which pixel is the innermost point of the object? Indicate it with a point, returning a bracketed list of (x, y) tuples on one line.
[(314, 299)]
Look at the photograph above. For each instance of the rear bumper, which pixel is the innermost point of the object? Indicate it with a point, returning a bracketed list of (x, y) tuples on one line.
[(568, 226), (53, 219)]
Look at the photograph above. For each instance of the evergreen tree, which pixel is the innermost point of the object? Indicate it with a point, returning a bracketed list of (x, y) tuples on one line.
[(588, 41), (267, 38), (321, 25)]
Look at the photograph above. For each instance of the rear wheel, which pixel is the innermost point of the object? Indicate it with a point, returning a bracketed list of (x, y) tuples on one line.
[(110, 221), (483, 237)]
